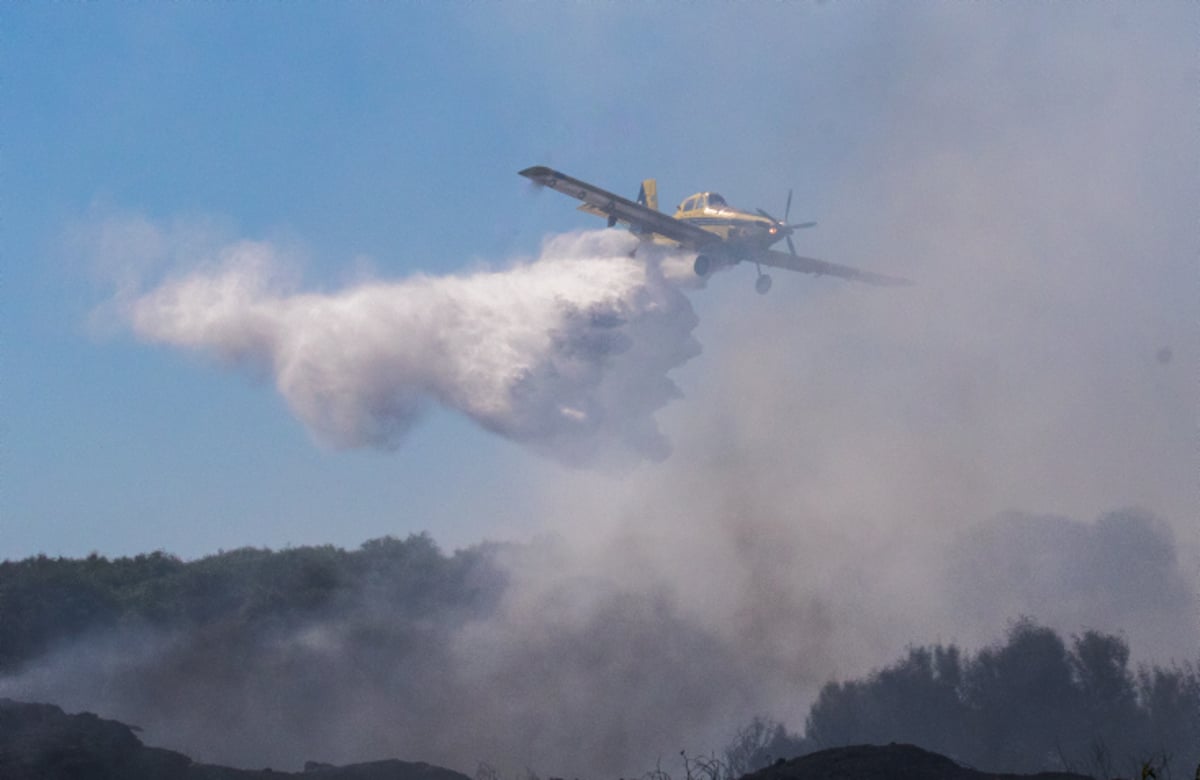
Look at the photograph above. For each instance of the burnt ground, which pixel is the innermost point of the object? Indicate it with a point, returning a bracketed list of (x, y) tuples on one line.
[(41, 742)]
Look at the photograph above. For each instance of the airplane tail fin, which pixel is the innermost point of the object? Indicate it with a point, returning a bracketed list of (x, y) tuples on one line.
[(648, 194)]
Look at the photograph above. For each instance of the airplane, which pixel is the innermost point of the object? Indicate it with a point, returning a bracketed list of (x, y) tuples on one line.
[(721, 235)]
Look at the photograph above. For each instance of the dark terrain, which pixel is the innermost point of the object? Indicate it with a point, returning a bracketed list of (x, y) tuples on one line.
[(41, 742), (883, 762), (211, 651)]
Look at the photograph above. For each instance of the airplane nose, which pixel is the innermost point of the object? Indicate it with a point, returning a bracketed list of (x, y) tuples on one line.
[(779, 230)]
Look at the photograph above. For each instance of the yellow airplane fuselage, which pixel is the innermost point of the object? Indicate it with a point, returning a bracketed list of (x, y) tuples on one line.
[(738, 229), (719, 234)]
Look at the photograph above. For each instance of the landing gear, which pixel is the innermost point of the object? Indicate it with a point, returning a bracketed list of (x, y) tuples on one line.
[(762, 284), (702, 266)]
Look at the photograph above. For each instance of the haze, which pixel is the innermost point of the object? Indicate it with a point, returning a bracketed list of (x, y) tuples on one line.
[(810, 481)]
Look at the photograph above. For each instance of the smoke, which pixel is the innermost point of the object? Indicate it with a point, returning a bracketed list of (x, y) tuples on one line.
[(846, 469), (567, 354), (396, 650), (1032, 703), (532, 656), (1121, 574)]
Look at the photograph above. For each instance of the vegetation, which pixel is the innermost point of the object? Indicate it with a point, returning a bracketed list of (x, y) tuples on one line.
[(1029, 704), (47, 601), (245, 622)]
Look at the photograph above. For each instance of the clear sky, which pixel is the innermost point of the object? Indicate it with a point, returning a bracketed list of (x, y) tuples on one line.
[(386, 137), (385, 134)]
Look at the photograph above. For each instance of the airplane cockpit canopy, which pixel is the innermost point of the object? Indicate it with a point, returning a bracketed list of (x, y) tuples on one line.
[(702, 200)]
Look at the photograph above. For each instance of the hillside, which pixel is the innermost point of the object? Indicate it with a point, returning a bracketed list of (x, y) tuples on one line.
[(260, 658), (41, 742), (887, 762)]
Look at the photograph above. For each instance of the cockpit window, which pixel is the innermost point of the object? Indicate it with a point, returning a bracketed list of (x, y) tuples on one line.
[(716, 201)]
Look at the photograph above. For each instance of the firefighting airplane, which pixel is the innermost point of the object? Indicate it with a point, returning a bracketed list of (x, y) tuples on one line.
[(704, 223)]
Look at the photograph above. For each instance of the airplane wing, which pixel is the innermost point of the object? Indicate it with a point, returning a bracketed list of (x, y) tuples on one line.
[(810, 265), (637, 216)]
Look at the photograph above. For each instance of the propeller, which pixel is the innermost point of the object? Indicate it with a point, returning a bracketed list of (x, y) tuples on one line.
[(784, 226)]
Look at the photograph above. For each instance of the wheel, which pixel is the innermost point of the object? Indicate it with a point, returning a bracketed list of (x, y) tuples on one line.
[(702, 265), (762, 284)]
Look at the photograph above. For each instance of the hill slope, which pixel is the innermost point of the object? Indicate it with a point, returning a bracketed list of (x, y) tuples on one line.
[(41, 742), (884, 762)]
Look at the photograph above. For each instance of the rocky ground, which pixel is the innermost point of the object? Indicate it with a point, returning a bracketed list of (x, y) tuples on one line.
[(41, 742)]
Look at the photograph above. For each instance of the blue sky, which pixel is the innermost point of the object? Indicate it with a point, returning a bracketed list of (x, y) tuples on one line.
[(388, 136), (385, 134)]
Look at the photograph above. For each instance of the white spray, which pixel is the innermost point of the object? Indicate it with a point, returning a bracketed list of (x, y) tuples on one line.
[(567, 354)]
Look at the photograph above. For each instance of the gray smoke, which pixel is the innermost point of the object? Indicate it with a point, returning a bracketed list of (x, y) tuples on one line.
[(844, 454), (533, 656), (842, 461), (1121, 574), (567, 354), (453, 660)]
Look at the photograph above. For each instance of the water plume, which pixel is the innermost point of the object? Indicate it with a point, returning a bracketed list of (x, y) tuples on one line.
[(567, 354)]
